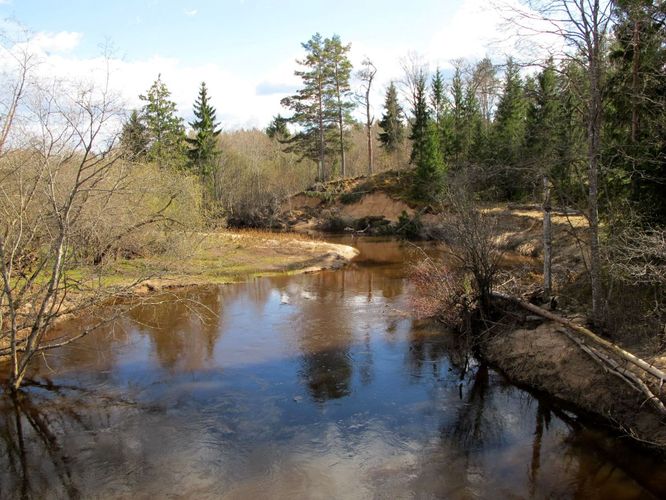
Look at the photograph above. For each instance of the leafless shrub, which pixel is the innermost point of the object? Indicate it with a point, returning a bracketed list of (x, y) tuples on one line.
[(440, 292), (472, 234), (637, 256)]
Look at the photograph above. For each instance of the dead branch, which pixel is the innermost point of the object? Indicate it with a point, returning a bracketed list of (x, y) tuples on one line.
[(636, 361), (613, 367)]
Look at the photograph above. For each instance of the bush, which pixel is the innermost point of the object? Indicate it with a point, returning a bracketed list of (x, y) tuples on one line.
[(410, 228), (351, 197)]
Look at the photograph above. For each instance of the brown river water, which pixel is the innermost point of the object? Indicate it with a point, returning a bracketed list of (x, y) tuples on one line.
[(309, 386)]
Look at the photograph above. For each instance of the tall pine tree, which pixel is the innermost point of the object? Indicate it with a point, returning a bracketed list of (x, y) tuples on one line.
[(339, 69), (509, 131)]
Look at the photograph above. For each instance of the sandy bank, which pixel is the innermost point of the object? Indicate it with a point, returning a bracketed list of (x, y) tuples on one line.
[(545, 359)]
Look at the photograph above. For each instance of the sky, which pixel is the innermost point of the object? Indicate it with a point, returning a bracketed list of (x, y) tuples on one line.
[(245, 50)]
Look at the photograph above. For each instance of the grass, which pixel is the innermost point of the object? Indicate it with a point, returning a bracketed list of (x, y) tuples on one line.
[(218, 257)]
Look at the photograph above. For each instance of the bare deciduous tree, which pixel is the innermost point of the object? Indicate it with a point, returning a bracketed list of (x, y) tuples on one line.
[(367, 75), (67, 200)]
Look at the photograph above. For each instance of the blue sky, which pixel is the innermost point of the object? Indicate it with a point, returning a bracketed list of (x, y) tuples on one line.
[(245, 49)]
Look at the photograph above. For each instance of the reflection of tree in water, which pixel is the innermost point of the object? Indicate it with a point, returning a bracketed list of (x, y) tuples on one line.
[(35, 461), (428, 348), (328, 374), (324, 338), (183, 328), (543, 417), (478, 423)]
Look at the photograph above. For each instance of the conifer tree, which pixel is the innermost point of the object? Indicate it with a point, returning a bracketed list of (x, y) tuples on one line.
[(393, 130), (134, 137), (339, 69), (509, 129), (438, 104), (164, 127), (420, 120), (321, 108), (277, 128), (203, 146), (429, 172), (457, 147), (542, 121), (635, 136)]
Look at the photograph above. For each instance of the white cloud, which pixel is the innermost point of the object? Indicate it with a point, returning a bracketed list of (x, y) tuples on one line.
[(191, 13), (250, 101), (63, 41), (481, 27)]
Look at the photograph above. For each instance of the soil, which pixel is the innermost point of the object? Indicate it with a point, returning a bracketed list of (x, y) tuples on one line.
[(376, 204), (545, 359)]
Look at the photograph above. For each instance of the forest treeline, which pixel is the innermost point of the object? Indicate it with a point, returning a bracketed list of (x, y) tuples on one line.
[(502, 124)]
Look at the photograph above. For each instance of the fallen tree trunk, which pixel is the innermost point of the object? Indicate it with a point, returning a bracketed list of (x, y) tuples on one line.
[(611, 365), (636, 361)]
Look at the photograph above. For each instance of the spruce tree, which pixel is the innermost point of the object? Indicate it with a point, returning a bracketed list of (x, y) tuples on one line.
[(439, 105), (134, 138), (458, 147), (635, 151), (277, 129), (420, 120), (165, 129), (393, 130), (203, 146), (509, 130), (429, 172)]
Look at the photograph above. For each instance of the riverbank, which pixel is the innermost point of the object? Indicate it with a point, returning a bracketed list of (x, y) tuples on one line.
[(222, 257), (198, 258), (544, 358)]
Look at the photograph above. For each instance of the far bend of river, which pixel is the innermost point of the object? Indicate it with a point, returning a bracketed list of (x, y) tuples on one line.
[(310, 386)]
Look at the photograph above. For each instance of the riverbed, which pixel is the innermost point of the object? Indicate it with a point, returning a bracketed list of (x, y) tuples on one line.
[(309, 386)]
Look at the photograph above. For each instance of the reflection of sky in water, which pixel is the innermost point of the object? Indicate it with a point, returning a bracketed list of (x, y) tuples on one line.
[(297, 387)]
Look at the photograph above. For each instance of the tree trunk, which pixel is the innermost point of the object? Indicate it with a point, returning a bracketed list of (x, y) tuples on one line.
[(369, 129), (322, 145), (594, 146), (343, 167), (547, 241)]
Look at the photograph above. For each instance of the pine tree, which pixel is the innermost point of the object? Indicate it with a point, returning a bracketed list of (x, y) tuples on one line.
[(134, 137), (543, 117), (391, 123), (339, 93), (312, 107), (203, 146), (457, 147), (420, 120), (165, 128)]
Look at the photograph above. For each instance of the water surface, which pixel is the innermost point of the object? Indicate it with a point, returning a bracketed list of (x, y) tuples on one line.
[(310, 386)]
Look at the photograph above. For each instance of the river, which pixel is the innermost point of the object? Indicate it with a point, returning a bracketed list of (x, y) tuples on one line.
[(307, 386)]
